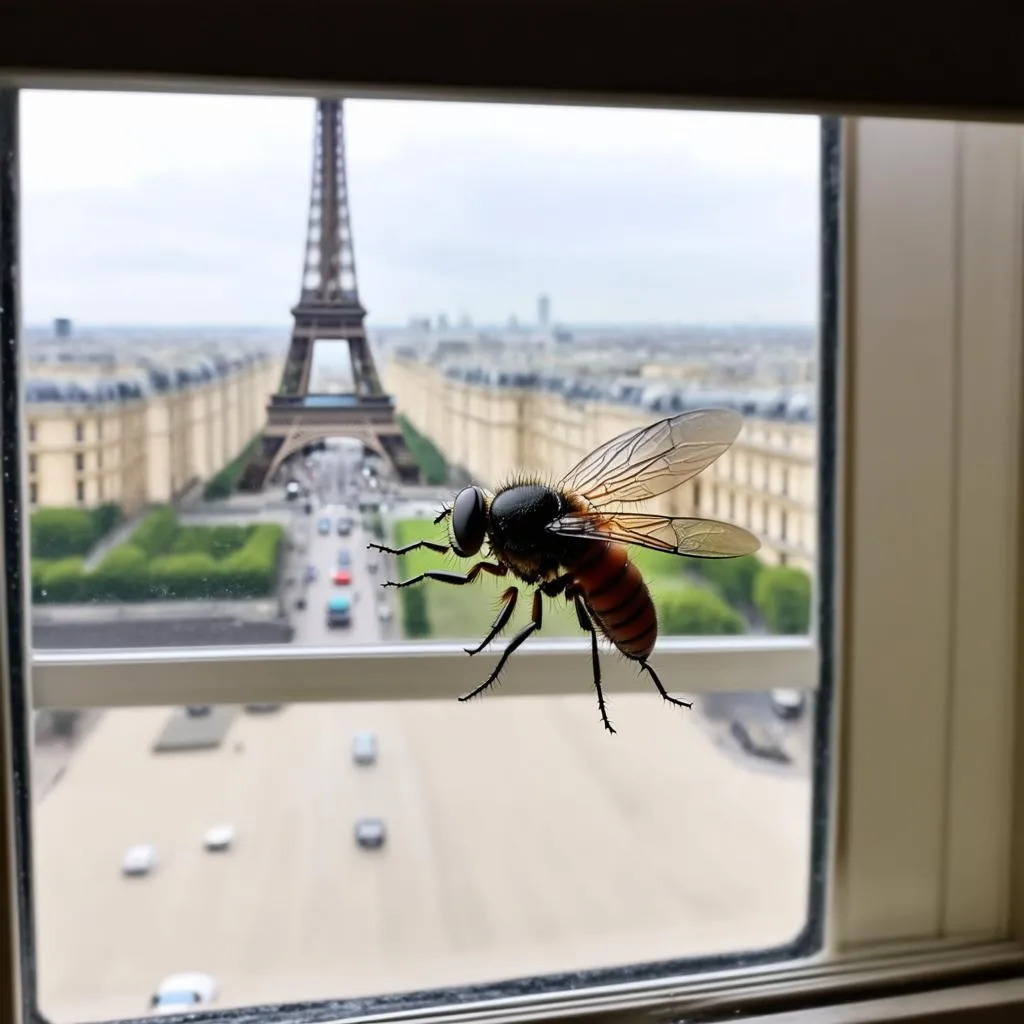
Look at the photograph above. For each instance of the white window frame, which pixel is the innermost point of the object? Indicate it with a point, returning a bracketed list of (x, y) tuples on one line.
[(926, 783)]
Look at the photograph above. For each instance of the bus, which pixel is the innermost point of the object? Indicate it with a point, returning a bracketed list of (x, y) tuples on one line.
[(339, 612)]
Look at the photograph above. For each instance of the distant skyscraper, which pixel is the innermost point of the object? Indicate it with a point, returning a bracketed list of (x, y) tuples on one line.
[(544, 311), (62, 327), (442, 321)]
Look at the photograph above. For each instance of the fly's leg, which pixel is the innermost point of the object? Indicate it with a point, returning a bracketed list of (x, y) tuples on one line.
[(531, 627), (441, 549), (443, 515), (587, 624), (455, 578), (559, 585), (508, 606), (661, 689)]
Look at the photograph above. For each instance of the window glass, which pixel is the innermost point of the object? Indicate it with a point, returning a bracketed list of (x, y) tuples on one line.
[(506, 289)]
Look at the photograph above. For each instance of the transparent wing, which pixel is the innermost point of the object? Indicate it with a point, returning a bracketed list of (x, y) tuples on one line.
[(698, 538), (642, 463)]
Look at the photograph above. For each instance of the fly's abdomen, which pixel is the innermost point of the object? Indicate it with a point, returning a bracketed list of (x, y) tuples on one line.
[(618, 598)]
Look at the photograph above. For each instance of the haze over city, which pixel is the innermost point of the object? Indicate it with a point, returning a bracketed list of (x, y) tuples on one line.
[(162, 209)]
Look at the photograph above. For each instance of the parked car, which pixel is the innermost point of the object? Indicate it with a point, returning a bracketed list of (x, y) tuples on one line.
[(344, 558), (344, 526), (384, 612), (788, 704), (370, 833), (342, 577), (219, 838), (180, 993), (139, 859), (364, 747), (323, 527)]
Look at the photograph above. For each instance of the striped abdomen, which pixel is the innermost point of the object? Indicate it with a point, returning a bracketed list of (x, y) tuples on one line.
[(618, 598)]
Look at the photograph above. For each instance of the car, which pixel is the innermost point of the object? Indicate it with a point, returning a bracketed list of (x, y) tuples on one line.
[(370, 833), (344, 558), (364, 747), (384, 612), (344, 526), (310, 574), (292, 490), (323, 527), (139, 859), (300, 604), (339, 612), (788, 704), (372, 565), (342, 577), (197, 710), (219, 838), (180, 993), (262, 707)]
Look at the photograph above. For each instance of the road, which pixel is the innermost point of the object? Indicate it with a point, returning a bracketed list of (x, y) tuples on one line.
[(334, 480), (522, 839)]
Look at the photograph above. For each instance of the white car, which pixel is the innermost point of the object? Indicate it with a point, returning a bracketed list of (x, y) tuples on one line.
[(788, 704), (219, 837), (179, 993), (139, 859), (384, 612)]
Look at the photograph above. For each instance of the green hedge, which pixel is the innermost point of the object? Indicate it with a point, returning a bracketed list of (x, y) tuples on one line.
[(66, 532), (432, 463), (733, 578), (689, 611), (163, 560), (783, 597), (222, 484)]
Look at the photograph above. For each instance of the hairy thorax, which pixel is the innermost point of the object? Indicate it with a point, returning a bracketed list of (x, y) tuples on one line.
[(517, 519)]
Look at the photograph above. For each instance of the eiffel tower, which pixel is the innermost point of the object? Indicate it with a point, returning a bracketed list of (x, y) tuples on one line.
[(328, 310)]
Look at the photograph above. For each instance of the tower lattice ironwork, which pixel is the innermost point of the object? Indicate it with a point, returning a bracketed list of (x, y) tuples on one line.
[(328, 310)]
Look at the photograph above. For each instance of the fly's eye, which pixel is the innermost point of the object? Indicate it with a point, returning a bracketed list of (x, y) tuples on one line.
[(469, 521)]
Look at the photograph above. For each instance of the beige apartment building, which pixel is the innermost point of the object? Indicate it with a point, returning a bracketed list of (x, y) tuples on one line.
[(766, 482), (139, 432)]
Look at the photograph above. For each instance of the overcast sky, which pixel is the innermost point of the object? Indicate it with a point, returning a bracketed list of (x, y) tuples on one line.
[(155, 209)]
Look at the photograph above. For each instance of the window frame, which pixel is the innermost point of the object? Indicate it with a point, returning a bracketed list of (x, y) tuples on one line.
[(942, 931)]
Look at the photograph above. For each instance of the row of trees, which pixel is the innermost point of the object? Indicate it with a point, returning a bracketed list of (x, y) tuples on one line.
[(163, 560), (222, 484), (781, 595), (432, 463)]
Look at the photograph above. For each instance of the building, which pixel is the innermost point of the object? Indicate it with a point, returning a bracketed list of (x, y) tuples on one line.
[(490, 421), (110, 425), (543, 312)]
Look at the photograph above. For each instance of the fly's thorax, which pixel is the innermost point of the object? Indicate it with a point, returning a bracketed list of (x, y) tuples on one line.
[(518, 516)]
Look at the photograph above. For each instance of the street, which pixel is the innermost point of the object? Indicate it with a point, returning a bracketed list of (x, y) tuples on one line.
[(335, 483)]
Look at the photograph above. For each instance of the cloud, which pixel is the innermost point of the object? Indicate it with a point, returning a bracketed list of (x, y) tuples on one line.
[(189, 209)]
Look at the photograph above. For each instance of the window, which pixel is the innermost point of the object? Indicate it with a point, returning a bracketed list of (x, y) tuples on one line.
[(785, 481), (79, 432), (32, 432), (79, 491), (31, 463), (33, 494), (922, 847), (79, 462)]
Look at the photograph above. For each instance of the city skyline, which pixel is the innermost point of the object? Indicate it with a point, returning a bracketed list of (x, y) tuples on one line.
[(191, 210)]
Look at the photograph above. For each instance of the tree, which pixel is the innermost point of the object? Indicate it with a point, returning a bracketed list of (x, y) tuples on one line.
[(415, 620), (734, 578), (783, 596)]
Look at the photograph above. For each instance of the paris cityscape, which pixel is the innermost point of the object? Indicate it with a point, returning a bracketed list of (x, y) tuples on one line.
[(219, 486)]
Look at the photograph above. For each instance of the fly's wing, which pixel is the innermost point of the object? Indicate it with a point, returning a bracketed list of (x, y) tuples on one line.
[(648, 461), (698, 538)]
